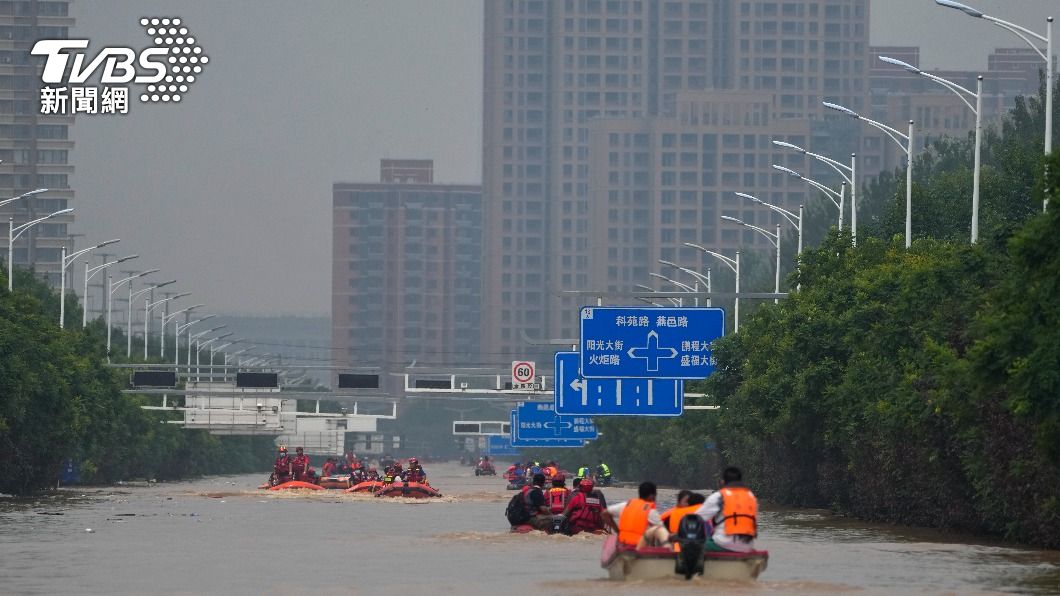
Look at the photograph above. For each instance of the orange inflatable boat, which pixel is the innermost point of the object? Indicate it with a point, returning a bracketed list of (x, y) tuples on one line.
[(415, 490)]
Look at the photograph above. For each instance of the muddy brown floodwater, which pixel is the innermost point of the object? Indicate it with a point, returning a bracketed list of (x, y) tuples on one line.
[(221, 535)]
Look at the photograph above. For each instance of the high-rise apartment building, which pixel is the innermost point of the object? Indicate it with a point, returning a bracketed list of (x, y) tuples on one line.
[(406, 269), (35, 148), (567, 80)]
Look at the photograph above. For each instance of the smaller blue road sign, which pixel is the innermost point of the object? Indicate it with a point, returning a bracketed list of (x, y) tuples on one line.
[(539, 420), (649, 343), (520, 442), (576, 395), (501, 446)]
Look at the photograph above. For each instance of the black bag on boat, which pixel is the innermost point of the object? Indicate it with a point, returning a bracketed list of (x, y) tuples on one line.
[(692, 536), (517, 512)]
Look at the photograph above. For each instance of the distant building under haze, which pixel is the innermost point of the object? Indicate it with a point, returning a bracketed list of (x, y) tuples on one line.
[(35, 148), (406, 263)]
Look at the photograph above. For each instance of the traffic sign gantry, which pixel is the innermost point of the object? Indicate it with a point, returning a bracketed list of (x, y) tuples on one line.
[(649, 343), (518, 441), (614, 397)]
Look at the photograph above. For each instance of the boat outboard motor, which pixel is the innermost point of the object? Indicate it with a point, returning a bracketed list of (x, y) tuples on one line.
[(559, 525), (692, 536)]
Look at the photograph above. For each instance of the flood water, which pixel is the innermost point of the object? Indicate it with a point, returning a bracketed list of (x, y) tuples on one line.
[(221, 535)]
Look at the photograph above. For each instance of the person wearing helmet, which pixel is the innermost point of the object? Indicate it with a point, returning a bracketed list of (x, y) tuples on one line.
[(281, 468), (584, 509), (389, 475), (372, 474), (415, 472), (558, 495), (300, 465)]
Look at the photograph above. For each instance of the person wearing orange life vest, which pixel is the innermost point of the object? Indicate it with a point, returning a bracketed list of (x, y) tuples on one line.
[(558, 496), (688, 502), (300, 466), (733, 511), (638, 522)]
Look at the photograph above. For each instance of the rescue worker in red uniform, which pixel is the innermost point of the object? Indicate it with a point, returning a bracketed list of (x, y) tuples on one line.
[(558, 496), (584, 510), (281, 469), (329, 468), (300, 466), (415, 472)]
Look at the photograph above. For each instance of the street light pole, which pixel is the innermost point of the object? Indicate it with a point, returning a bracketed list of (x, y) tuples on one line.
[(13, 232), (65, 262), (699, 277), (673, 301), (848, 173), (111, 286), (165, 320), (795, 220), (684, 287), (734, 265), (91, 272), (1027, 36), (148, 307), (977, 109), (906, 146), (128, 322), (773, 239)]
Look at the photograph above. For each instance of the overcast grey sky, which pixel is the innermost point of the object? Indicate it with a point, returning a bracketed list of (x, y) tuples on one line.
[(230, 191)]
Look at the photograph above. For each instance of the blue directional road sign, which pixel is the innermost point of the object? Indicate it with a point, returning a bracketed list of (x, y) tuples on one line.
[(649, 343), (519, 442), (501, 446), (614, 397), (538, 420)]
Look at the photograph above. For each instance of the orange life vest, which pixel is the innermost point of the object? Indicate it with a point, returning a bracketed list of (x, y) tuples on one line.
[(634, 521), (557, 499), (739, 511), (551, 471), (673, 519)]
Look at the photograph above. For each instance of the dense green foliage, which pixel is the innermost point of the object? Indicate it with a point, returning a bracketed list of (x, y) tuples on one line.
[(916, 386), (58, 401)]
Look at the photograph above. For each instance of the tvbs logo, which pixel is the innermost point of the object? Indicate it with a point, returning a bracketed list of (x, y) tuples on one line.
[(166, 70)]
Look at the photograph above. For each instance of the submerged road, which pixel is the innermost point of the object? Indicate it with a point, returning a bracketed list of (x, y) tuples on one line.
[(221, 535)]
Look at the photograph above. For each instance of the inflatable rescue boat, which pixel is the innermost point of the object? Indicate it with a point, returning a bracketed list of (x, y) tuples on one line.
[(414, 490), (295, 484), (368, 486)]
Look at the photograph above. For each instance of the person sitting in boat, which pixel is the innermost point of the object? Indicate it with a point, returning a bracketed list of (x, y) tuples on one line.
[(603, 474), (551, 470), (399, 472), (371, 474), (584, 511), (687, 502), (558, 495), (300, 466), (540, 514), (281, 468), (638, 522), (328, 468), (388, 475), (415, 472), (733, 511), (534, 468), (583, 472), (352, 461)]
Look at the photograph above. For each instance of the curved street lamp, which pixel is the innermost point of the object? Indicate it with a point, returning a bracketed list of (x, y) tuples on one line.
[(699, 277), (847, 173), (113, 285), (13, 232), (176, 336), (838, 198), (685, 287), (774, 239), (91, 272), (128, 321), (733, 264), (64, 262), (148, 307), (1028, 36), (673, 301), (907, 148), (977, 109)]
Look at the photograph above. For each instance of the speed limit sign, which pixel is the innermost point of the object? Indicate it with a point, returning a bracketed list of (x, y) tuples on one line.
[(523, 373)]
